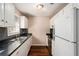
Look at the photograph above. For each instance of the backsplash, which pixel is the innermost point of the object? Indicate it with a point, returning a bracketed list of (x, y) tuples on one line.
[(3, 33), (13, 30)]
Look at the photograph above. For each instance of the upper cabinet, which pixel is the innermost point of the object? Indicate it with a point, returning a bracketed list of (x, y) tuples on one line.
[(7, 14), (1, 15), (23, 22)]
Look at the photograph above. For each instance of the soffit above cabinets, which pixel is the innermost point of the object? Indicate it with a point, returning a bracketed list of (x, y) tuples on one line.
[(32, 9)]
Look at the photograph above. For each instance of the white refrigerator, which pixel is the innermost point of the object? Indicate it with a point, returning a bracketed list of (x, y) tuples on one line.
[(66, 36)]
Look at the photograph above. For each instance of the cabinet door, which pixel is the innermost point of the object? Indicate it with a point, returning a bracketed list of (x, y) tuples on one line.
[(9, 14), (1, 15), (24, 49), (23, 22), (20, 51), (28, 45)]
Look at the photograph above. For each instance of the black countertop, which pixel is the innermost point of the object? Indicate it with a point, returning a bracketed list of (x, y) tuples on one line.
[(12, 43)]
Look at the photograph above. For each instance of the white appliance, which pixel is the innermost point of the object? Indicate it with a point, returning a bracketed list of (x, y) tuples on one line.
[(66, 39)]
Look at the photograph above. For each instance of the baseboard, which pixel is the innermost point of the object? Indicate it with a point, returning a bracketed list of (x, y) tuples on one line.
[(39, 44)]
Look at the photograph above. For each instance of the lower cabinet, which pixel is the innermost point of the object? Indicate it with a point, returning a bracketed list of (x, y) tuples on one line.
[(28, 45), (24, 49)]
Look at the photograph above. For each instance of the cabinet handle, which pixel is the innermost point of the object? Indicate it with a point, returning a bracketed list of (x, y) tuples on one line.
[(6, 22), (2, 20)]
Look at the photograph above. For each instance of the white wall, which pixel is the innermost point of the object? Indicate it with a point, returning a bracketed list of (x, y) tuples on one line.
[(51, 22), (39, 26)]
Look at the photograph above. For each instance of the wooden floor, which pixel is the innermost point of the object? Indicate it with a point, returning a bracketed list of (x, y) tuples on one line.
[(38, 51)]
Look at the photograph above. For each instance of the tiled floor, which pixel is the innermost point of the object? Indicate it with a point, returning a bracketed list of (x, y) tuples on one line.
[(38, 51)]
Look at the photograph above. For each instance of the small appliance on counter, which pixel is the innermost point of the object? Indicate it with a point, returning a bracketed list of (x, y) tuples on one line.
[(24, 31)]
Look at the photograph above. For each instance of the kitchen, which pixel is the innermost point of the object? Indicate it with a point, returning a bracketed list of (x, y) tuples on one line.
[(14, 36), (26, 28)]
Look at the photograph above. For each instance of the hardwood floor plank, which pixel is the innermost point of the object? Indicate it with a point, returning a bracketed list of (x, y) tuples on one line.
[(38, 51)]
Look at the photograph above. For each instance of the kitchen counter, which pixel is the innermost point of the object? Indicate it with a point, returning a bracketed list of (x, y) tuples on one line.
[(11, 44)]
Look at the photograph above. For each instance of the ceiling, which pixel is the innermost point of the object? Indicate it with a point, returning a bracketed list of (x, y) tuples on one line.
[(30, 9)]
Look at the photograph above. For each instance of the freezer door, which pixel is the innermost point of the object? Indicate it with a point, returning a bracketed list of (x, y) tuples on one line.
[(64, 28), (64, 23), (63, 48)]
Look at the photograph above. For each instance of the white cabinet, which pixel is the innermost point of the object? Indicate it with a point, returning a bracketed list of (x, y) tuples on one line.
[(12, 30), (19, 52), (23, 22), (28, 45), (1, 15), (9, 14), (24, 48)]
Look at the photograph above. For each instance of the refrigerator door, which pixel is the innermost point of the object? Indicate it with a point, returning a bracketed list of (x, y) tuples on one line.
[(64, 48), (77, 29), (64, 28), (64, 24)]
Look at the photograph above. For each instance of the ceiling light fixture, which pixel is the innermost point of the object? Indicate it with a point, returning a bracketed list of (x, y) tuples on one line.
[(40, 6)]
